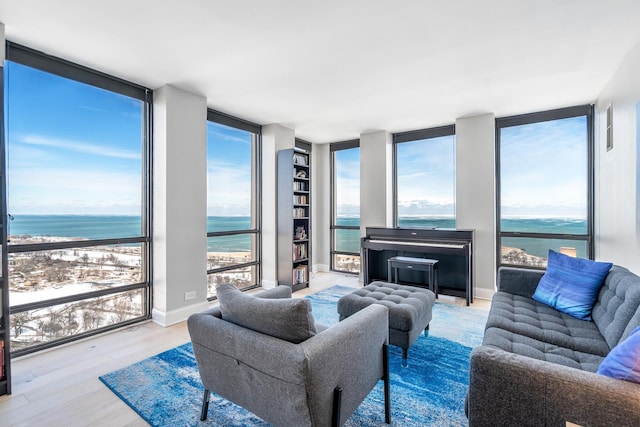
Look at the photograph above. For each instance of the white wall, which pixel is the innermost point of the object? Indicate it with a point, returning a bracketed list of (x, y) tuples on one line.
[(274, 137), (617, 193), (475, 195), (320, 207), (179, 204)]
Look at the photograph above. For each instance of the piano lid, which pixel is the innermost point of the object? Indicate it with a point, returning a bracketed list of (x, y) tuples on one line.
[(419, 233)]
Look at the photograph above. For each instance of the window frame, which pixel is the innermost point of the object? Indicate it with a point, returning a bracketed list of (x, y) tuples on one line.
[(60, 67), (411, 136), (256, 211), (333, 148), (537, 117)]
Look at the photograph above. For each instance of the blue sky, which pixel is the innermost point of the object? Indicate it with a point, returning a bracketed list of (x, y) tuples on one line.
[(76, 149), (229, 171), (347, 169), (72, 148), (426, 177), (544, 169)]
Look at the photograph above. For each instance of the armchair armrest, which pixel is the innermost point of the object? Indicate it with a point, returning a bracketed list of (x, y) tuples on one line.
[(507, 389), (348, 355), (519, 281)]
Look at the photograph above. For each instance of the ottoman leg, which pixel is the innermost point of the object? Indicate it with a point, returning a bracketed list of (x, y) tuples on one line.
[(405, 363)]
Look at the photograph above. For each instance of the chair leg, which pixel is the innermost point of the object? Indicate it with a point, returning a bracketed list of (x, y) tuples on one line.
[(426, 331), (405, 362), (205, 405), (337, 406), (385, 379)]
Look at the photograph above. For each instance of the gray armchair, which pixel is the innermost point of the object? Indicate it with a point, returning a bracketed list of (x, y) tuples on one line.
[(317, 382)]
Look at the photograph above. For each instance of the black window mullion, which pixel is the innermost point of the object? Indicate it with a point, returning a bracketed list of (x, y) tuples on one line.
[(52, 64)]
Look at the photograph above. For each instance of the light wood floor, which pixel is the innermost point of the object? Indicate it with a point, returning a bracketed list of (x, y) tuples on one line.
[(60, 387)]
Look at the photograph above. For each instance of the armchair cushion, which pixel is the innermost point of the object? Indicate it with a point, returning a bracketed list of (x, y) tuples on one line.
[(288, 319)]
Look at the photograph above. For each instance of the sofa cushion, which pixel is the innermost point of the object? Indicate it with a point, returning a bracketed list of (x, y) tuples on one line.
[(524, 316), (571, 285), (624, 360), (527, 346), (287, 319), (617, 312)]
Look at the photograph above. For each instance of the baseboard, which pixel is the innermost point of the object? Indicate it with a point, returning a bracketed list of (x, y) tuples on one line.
[(321, 268), (268, 284), (164, 318), (483, 293)]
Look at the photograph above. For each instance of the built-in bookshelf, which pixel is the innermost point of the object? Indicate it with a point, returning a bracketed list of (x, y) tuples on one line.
[(294, 222)]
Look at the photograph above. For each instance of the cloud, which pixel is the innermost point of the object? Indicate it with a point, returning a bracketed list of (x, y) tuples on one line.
[(81, 147), (56, 190)]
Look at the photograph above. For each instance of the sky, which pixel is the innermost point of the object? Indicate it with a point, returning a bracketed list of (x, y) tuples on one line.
[(347, 185), (229, 171), (543, 169), (71, 147), (426, 177), (77, 149)]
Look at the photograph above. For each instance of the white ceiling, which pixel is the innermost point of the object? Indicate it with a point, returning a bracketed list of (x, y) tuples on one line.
[(334, 69)]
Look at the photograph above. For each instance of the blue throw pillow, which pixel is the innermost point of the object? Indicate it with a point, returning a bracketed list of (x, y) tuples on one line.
[(571, 285), (623, 361)]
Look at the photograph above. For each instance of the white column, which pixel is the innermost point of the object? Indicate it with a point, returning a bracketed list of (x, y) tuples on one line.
[(376, 180), (274, 137), (179, 205), (475, 195), (320, 206)]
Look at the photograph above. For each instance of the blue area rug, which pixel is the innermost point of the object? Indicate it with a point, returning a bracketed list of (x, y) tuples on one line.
[(165, 390)]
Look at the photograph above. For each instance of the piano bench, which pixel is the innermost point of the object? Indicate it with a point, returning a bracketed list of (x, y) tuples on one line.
[(410, 310), (417, 264)]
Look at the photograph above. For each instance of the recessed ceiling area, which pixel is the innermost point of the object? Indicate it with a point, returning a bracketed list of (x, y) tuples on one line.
[(332, 70)]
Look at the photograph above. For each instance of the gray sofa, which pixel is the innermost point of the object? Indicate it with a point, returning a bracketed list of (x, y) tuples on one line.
[(537, 366)]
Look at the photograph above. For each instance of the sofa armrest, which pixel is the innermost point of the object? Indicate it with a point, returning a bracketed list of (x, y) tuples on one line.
[(519, 281), (507, 389)]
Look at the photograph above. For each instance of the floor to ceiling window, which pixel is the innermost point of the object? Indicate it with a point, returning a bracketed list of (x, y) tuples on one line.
[(78, 203), (425, 177), (345, 212), (233, 202), (545, 180)]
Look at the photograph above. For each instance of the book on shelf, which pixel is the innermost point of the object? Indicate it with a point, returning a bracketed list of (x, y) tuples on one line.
[(299, 251), (299, 212), (299, 199), (299, 186), (300, 274)]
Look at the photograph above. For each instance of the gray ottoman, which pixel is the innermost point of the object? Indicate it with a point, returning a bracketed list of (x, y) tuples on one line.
[(409, 310)]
